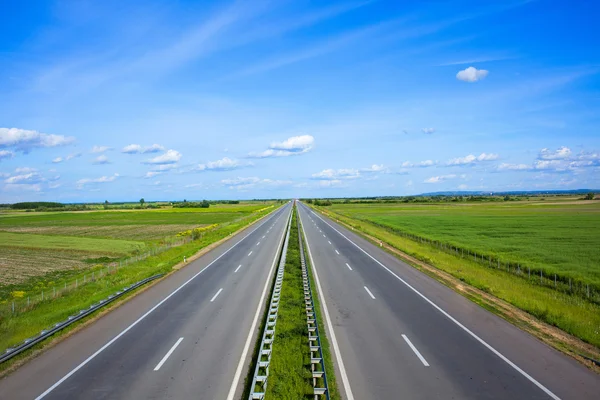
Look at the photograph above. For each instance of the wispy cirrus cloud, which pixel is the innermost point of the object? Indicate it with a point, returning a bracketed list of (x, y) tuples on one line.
[(69, 157), (100, 149), (5, 154), (103, 179)]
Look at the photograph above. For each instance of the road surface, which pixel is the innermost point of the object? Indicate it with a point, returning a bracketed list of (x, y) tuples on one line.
[(186, 337), (402, 335)]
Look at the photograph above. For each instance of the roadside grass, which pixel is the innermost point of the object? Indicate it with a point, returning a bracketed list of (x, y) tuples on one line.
[(127, 232), (562, 239), (16, 328), (572, 314), (334, 393), (289, 370)]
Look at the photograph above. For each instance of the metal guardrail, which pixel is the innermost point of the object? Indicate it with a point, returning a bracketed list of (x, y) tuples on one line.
[(261, 372), (317, 364), (46, 333)]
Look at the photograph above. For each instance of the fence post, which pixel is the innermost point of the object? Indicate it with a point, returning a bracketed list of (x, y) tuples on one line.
[(75, 283), (13, 306), (42, 295), (27, 301)]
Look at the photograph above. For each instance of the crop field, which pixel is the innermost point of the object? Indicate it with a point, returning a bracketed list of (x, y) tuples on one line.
[(557, 238), (35, 244)]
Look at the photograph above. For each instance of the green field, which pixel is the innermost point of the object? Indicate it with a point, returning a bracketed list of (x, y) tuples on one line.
[(556, 238), (560, 237), (39, 246)]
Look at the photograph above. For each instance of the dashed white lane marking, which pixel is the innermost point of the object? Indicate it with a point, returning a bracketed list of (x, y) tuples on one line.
[(338, 253), (329, 241), (168, 354), (257, 243), (349, 267), (237, 269), (249, 254), (263, 236), (414, 349), (368, 291), (215, 296)]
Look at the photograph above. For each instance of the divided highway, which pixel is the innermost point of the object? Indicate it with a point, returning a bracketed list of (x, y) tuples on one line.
[(189, 336), (399, 334)]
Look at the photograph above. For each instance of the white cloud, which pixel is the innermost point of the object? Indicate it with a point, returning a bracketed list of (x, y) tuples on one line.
[(515, 167), (294, 145), (428, 131), (6, 154), (155, 148), (100, 149), (224, 164), (165, 167), (335, 174), (30, 178), (58, 160), (374, 168), (132, 149), (471, 74), (421, 164), (245, 183), (103, 179), (472, 159), (24, 140), (169, 157), (151, 174), (102, 159), (195, 185), (561, 154), (462, 186), (438, 179), (67, 158), (25, 170)]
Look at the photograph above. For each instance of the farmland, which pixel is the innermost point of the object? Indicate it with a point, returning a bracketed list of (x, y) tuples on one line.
[(47, 251), (561, 238), (557, 238), (35, 244)]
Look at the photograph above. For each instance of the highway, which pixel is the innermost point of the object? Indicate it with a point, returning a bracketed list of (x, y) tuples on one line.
[(189, 336), (396, 333)]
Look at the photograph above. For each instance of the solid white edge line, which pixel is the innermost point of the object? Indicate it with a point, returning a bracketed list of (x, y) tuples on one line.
[(349, 267), (215, 296), (368, 291), (414, 349), (451, 318), (336, 347), (100, 350), (240, 367), (168, 354), (236, 270)]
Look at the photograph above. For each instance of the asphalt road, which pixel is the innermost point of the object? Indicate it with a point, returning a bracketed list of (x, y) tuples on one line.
[(187, 337), (399, 334)]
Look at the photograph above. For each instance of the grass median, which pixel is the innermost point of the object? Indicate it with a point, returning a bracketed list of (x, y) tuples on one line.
[(289, 370), (18, 327)]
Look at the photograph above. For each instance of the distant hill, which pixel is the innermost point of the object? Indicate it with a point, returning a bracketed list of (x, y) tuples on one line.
[(511, 192)]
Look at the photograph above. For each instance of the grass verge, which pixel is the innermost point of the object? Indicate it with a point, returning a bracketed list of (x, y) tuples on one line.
[(289, 370), (499, 292), (15, 329)]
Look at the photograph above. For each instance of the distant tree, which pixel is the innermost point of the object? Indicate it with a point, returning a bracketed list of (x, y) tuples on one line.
[(589, 196), (142, 201), (507, 198), (106, 204), (204, 204)]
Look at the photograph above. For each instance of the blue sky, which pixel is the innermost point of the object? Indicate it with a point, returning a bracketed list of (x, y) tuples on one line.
[(182, 99)]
